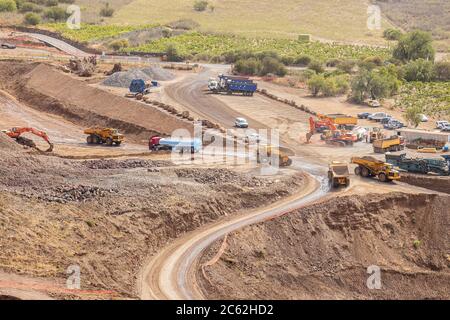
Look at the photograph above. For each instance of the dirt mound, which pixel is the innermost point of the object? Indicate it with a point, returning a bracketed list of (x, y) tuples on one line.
[(48, 90), (158, 73), (6, 143), (123, 79), (323, 252)]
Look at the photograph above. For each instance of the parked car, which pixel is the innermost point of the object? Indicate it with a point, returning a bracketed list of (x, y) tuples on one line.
[(241, 123), (6, 45), (377, 116), (363, 115), (386, 120), (393, 124), (446, 128), (374, 103), (441, 124), (423, 118)]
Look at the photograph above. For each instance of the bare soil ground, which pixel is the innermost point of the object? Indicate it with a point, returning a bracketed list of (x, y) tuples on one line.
[(107, 216), (323, 251)]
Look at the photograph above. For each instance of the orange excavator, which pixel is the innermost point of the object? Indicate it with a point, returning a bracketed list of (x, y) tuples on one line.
[(16, 133), (330, 133)]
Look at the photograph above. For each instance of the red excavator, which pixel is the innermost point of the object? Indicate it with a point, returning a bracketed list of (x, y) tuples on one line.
[(16, 133), (330, 133)]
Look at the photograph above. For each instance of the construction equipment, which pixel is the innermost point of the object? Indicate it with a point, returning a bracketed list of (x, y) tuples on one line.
[(419, 165), (157, 143), (376, 134), (338, 174), (108, 136), (232, 84), (16, 133), (330, 134), (339, 119), (266, 153), (393, 143), (371, 167)]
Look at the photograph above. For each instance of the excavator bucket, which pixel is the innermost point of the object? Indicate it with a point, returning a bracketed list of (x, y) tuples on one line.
[(50, 148)]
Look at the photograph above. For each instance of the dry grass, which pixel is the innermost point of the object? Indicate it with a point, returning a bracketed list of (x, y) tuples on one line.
[(345, 21)]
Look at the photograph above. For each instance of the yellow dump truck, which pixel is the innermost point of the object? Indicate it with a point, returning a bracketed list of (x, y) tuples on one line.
[(338, 174), (394, 143), (265, 154), (371, 167), (108, 136)]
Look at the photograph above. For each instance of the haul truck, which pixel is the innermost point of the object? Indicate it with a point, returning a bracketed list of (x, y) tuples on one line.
[(232, 84)]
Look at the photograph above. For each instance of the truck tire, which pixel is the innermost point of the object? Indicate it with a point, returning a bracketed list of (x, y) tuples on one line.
[(89, 140), (335, 183), (365, 172), (358, 171), (382, 177), (118, 143), (109, 142), (96, 139)]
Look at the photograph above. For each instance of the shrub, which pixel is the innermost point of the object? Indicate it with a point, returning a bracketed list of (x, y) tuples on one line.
[(342, 83), (172, 54), (418, 70), (55, 14), (250, 66), (40, 2), (183, 24), (200, 5), (413, 115), (415, 45), (30, 7), (272, 65), (67, 1), (303, 60), (8, 6), (51, 3), (19, 3), (392, 34), (316, 83), (441, 71), (374, 84), (347, 66), (106, 11), (119, 44), (317, 66), (32, 19), (288, 60), (333, 62)]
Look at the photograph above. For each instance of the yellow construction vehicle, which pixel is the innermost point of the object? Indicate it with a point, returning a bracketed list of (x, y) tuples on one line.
[(338, 174), (108, 136), (376, 134), (339, 119), (393, 143), (265, 153), (371, 167)]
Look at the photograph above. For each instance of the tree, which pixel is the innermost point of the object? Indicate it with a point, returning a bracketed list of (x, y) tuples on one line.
[(272, 65), (118, 44), (415, 45), (200, 5), (374, 84), (250, 66), (8, 6), (413, 115), (172, 53), (418, 70), (32, 19)]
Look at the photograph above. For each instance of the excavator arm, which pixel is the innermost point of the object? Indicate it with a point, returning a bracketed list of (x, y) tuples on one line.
[(16, 133)]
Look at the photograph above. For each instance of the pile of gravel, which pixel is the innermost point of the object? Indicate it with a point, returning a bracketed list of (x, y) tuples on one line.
[(123, 79), (158, 73)]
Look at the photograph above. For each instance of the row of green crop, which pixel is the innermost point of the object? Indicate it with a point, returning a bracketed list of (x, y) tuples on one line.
[(89, 32), (216, 45), (433, 97)]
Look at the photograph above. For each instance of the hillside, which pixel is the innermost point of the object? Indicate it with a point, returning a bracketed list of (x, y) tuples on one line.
[(284, 18)]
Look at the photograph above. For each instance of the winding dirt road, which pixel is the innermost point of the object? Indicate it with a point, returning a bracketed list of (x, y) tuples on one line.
[(171, 274)]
